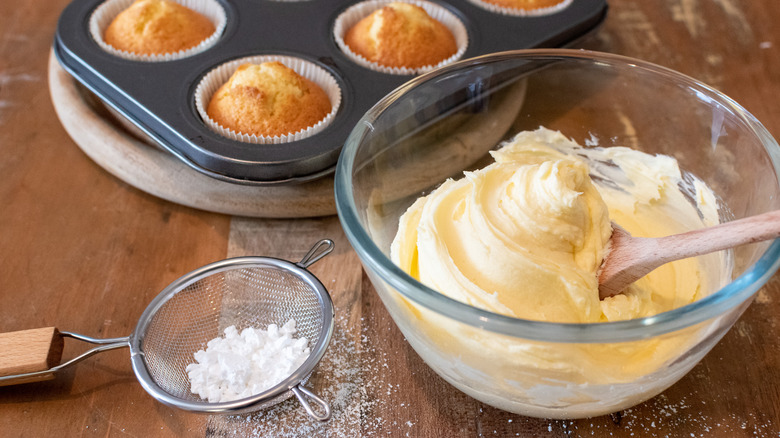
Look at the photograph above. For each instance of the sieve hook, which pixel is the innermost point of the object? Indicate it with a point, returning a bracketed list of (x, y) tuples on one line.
[(300, 391), (318, 251)]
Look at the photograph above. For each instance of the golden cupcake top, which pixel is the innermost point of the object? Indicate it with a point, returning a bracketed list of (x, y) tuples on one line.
[(153, 27), (401, 35), (526, 5), (268, 99)]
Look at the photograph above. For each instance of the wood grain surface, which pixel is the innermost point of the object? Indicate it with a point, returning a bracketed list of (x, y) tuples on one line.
[(84, 251)]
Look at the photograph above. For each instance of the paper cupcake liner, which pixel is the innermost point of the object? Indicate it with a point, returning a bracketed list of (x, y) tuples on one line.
[(108, 10), (347, 19), (522, 12), (309, 70)]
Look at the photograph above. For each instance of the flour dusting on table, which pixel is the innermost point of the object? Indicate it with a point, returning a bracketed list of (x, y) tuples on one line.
[(345, 381)]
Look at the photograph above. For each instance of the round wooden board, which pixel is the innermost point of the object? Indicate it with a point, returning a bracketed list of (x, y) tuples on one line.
[(159, 173)]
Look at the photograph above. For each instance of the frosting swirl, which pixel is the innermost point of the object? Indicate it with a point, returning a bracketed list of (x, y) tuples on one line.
[(525, 235)]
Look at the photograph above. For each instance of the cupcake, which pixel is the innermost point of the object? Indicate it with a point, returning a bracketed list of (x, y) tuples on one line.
[(523, 7), (399, 35), (157, 30), (268, 99), (154, 27)]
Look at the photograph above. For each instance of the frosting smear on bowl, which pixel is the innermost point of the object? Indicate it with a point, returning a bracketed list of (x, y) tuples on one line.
[(526, 235)]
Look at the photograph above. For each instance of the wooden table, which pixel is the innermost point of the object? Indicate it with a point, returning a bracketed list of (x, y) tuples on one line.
[(83, 251)]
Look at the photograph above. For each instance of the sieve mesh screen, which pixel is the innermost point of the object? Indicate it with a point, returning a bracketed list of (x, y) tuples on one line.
[(254, 296)]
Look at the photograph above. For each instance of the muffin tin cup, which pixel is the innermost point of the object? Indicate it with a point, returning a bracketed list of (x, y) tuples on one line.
[(220, 75), (517, 12), (104, 14), (350, 17), (159, 97)]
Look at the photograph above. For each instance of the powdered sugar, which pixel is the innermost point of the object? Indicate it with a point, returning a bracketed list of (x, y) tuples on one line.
[(352, 377), (239, 365)]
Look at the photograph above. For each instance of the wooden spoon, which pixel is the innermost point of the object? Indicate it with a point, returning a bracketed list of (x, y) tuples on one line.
[(631, 258)]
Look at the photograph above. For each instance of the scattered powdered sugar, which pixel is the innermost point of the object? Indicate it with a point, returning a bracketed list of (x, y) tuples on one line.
[(243, 364), (683, 417), (683, 414), (355, 379), (356, 388)]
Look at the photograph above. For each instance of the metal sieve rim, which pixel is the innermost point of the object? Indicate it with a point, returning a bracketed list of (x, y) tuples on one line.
[(180, 284)]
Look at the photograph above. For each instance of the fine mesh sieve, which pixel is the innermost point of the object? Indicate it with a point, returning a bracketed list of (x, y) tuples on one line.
[(243, 292)]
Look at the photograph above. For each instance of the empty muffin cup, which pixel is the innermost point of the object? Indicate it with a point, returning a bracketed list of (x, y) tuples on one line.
[(352, 15), (105, 14)]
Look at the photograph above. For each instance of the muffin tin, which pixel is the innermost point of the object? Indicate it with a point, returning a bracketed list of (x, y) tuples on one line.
[(158, 97)]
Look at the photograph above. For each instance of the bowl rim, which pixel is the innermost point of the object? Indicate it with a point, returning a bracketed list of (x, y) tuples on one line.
[(730, 296)]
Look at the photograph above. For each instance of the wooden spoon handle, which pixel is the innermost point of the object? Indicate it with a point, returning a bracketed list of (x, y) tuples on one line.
[(752, 229), (29, 351), (631, 258)]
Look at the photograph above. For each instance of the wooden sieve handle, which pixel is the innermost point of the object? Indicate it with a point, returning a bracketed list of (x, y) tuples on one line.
[(28, 351)]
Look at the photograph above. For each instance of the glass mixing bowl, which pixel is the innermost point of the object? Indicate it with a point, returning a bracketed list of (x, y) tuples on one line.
[(444, 122)]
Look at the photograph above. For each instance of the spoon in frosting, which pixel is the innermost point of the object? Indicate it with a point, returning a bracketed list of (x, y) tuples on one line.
[(631, 258)]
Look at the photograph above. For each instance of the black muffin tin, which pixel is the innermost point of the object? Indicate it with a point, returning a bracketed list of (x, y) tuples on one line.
[(158, 97)]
